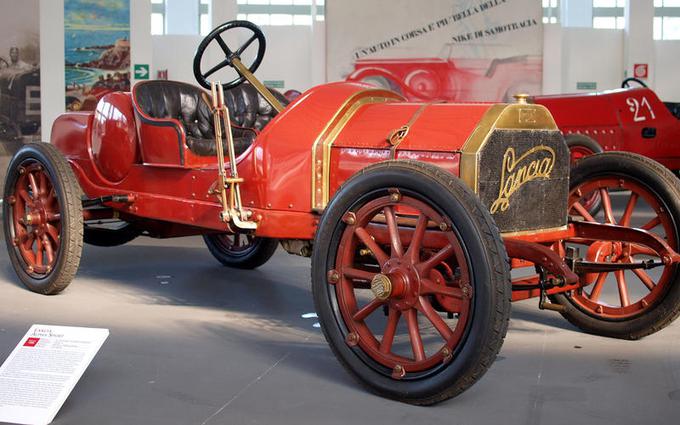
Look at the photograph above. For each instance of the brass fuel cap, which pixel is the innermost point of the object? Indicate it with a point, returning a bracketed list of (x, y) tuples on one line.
[(521, 98), (381, 286)]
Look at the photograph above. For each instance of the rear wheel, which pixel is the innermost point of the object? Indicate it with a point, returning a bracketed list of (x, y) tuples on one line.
[(43, 218), (240, 250), (411, 282), (633, 303)]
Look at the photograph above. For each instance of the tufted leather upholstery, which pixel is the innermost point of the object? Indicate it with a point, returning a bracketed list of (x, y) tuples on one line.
[(248, 111)]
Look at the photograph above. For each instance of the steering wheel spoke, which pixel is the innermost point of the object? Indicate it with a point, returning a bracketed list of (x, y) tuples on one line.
[(216, 68), (245, 45), (223, 45)]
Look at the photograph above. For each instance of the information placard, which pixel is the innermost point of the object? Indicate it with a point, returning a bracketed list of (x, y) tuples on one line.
[(43, 369)]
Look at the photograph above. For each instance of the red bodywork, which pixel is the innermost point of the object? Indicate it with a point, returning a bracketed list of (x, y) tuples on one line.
[(632, 120), (293, 167), (113, 152), (453, 80)]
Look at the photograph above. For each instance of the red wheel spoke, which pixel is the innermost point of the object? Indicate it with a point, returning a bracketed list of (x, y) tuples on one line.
[(652, 223), (352, 273), (52, 217), (644, 278), (395, 239), (34, 185), (597, 288), (390, 330), (607, 206), (435, 319), (417, 240), (367, 310), (42, 184), (429, 287), (414, 334), (52, 196), (49, 252), (437, 258), (623, 288), (628, 212), (28, 242), (53, 233), (366, 239), (38, 252), (23, 194), (583, 212)]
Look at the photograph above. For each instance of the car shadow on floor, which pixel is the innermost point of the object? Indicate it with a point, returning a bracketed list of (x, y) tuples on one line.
[(189, 276)]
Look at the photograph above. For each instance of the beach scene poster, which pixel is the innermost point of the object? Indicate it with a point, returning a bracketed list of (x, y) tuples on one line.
[(97, 50)]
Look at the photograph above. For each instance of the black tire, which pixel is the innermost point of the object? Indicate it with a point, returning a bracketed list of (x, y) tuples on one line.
[(661, 181), (579, 140), (108, 237), (255, 252), (478, 233), (68, 196)]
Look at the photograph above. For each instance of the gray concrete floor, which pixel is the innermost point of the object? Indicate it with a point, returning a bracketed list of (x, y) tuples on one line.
[(196, 343)]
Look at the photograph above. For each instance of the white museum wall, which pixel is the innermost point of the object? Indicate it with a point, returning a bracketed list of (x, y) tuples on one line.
[(288, 57), (667, 69)]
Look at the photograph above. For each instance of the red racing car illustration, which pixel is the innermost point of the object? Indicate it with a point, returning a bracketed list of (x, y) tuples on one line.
[(453, 80)]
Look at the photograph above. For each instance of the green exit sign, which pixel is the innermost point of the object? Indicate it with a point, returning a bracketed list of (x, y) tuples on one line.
[(586, 85), (141, 71), (275, 84)]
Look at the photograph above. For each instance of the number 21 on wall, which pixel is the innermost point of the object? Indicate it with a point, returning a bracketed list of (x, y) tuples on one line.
[(641, 109)]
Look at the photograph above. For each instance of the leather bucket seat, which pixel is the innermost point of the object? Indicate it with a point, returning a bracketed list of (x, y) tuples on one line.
[(249, 112)]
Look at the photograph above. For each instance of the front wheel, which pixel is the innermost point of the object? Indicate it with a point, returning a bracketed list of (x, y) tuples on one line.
[(240, 250), (626, 304), (43, 218), (411, 282)]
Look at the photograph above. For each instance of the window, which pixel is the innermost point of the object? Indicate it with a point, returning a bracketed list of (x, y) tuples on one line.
[(204, 17), (609, 14), (666, 19), (159, 25), (157, 17), (281, 12), (551, 11)]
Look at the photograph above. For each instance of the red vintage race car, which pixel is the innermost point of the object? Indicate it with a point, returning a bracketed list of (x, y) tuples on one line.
[(413, 214), (630, 119)]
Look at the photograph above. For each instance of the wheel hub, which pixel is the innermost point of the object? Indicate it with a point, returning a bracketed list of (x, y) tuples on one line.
[(381, 285)]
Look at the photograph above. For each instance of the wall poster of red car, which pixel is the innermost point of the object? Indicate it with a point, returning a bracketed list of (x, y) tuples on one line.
[(438, 50)]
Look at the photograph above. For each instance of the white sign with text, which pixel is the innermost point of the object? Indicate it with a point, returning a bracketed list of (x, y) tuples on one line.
[(43, 369)]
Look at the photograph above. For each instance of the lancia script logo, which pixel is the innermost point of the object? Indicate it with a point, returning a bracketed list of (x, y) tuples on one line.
[(536, 163)]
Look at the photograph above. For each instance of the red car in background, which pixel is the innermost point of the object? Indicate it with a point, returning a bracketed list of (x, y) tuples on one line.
[(453, 80), (631, 119)]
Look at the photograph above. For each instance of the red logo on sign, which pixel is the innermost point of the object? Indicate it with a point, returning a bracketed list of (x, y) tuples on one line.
[(640, 70), (31, 342)]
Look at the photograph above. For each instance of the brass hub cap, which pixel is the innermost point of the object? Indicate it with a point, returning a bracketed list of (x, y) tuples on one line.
[(381, 286)]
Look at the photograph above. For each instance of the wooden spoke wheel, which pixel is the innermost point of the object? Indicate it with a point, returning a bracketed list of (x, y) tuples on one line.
[(625, 303), (43, 220), (240, 250), (411, 282)]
